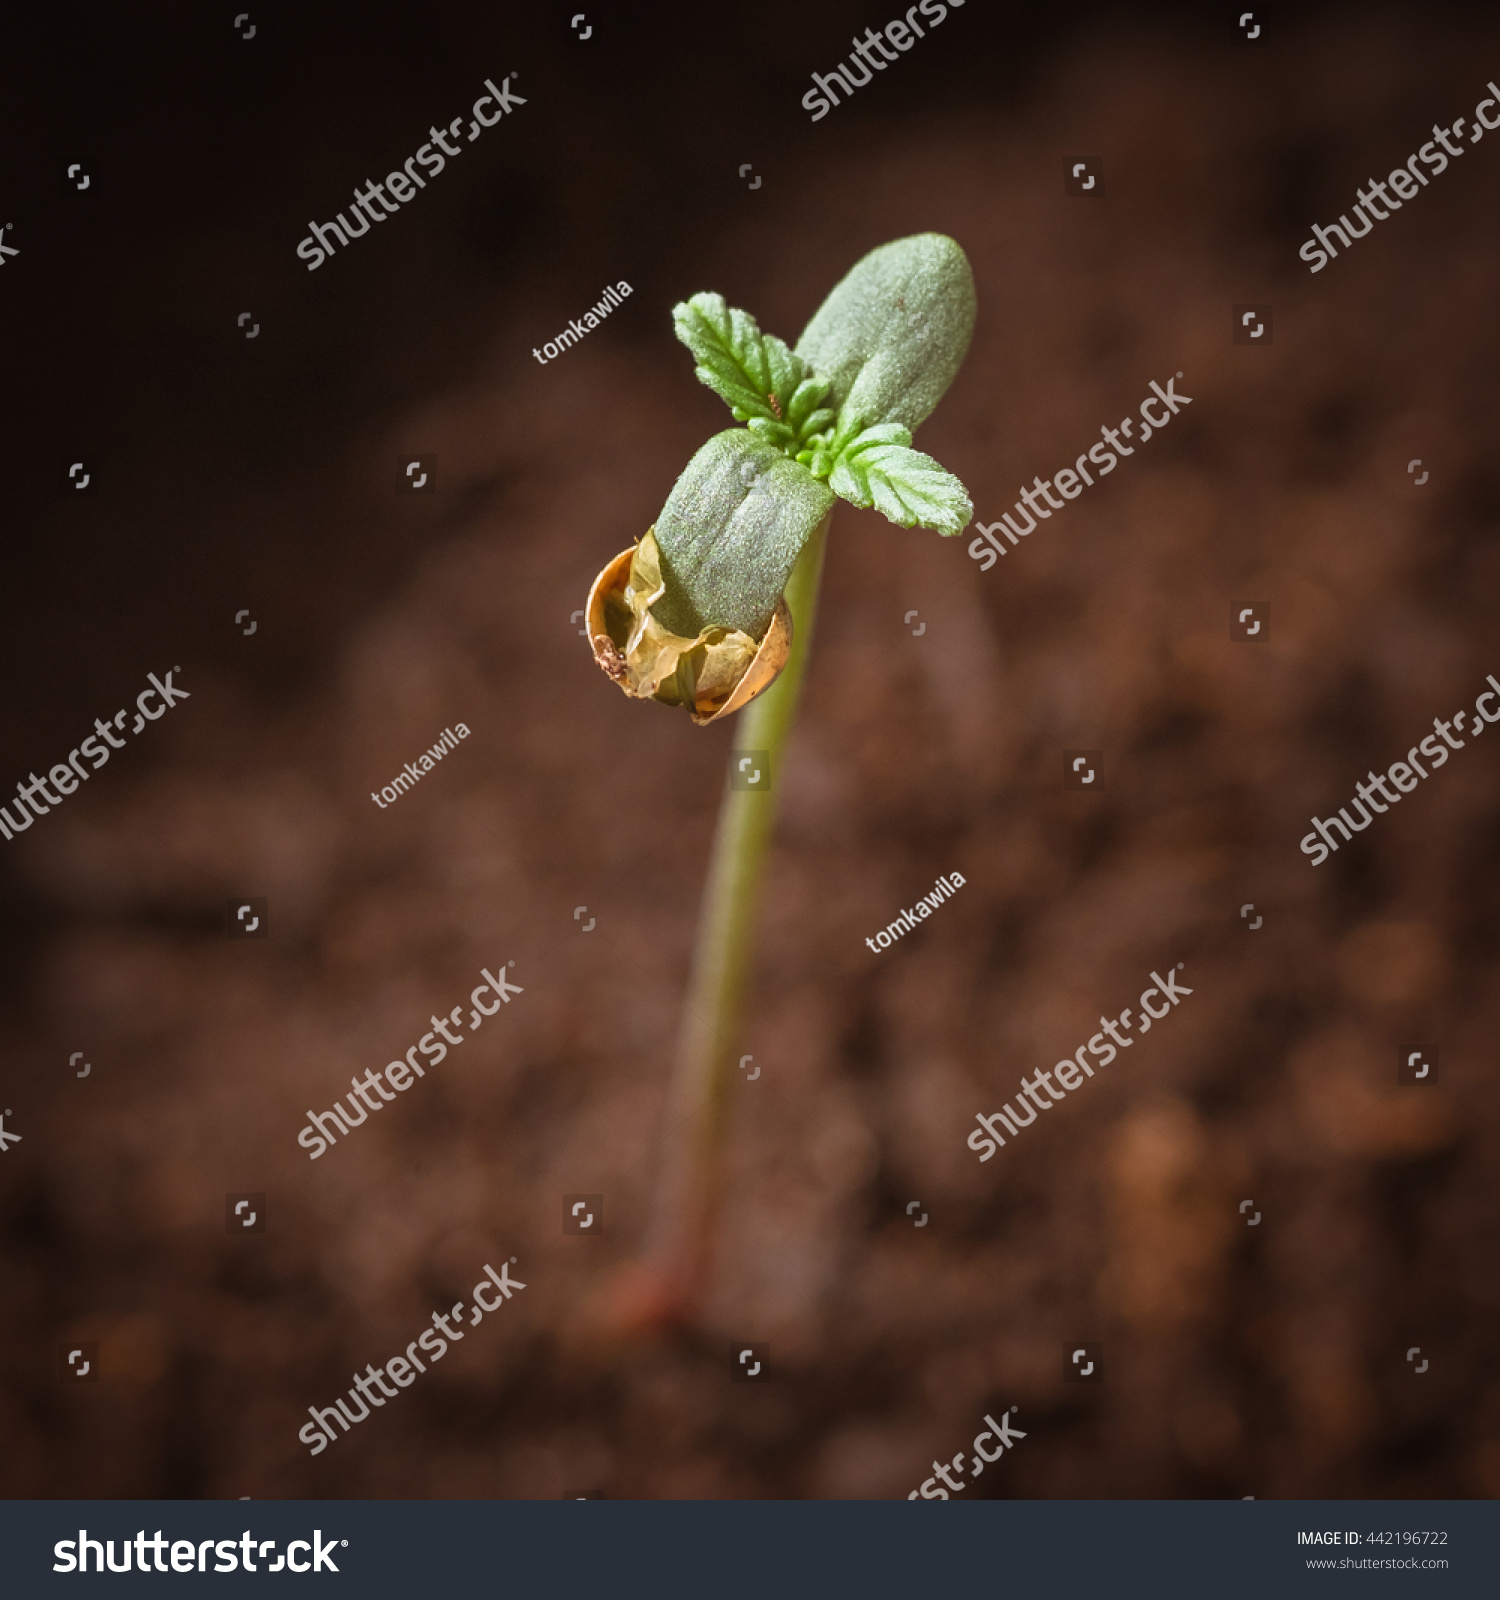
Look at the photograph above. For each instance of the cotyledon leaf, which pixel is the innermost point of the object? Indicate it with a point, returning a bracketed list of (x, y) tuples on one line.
[(730, 533), (892, 335)]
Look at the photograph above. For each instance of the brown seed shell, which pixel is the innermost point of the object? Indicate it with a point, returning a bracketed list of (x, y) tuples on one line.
[(764, 670), (765, 666)]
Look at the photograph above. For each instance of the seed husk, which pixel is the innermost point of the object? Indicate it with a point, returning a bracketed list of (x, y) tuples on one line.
[(715, 674)]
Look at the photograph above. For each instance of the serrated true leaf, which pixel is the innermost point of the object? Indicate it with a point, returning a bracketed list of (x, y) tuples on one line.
[(753, 373), (879, 468), (806, 401), (772, 432)]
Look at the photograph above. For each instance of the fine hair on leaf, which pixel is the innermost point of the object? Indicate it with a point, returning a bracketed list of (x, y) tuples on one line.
[(879, 468)]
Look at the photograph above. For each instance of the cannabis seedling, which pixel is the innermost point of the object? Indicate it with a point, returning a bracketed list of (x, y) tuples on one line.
[(713, 610)]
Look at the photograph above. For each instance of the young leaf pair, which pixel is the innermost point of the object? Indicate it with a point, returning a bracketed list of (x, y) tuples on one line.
[(832, 417)]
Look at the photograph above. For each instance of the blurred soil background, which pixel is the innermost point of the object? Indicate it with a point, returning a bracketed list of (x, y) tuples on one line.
[(1266, 1361)]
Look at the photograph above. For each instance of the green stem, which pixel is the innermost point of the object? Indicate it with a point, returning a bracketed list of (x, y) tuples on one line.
[(708, 1045)]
